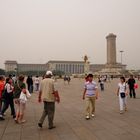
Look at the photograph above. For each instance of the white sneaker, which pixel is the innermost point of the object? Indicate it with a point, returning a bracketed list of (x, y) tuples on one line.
[(87, 117), (93, 115), (121, 112)]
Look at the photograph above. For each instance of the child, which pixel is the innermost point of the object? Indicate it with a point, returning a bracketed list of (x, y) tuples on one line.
[(23, 99)]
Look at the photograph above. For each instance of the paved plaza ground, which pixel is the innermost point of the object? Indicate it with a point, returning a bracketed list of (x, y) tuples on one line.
[(70, 120)]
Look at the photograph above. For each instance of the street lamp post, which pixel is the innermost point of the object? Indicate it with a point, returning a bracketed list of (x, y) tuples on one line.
[(121, 56)]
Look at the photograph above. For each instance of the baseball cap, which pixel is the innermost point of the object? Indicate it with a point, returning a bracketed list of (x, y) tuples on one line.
[(49, 73)]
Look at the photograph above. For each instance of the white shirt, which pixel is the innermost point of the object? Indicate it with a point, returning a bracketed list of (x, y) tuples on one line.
[(9, 88), (102, 80), (90, 88), (122, 87), (14, 79), (23, 96), (36, 80)]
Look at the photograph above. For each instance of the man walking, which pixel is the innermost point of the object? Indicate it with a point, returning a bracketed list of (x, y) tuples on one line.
[(29, 82), (131, 83), (47, 95)]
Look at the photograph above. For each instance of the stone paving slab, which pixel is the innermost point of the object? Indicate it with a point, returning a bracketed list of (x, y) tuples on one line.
[(70, 123)]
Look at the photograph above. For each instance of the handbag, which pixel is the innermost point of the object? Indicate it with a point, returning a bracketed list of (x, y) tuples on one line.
[(122, 94), (57, 97), (28, 95)]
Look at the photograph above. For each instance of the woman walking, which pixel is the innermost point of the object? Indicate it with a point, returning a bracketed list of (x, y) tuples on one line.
[(2, 83), (8, 97), (19, 87), (122, 94), (90, 94)]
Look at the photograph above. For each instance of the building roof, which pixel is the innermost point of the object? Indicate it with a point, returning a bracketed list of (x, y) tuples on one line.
[(31, 64), (61, 61), (98, 65), (10, 62), (111, 35)]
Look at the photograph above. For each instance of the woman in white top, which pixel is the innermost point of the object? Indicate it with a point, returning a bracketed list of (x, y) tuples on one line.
[(122, 94)]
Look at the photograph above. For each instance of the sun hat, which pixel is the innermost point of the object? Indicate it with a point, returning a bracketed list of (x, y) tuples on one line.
[(49, 73)]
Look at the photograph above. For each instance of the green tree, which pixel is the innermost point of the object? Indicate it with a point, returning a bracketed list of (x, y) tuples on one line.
[(2, 72)]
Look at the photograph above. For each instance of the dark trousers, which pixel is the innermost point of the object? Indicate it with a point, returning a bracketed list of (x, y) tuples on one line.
[(7, 102), (0, 104), (49, 109), (132, 92), (36, 87), (30, 88), (102, 87)]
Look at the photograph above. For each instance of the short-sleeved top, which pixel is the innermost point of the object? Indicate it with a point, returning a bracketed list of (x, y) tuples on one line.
[(36, 80), (122, 87), (90, 88), (1, 88), (18, 88), (9, 88), (47, 89), (131, 83)]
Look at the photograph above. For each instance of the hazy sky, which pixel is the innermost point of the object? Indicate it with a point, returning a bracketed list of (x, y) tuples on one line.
[(35, 31)]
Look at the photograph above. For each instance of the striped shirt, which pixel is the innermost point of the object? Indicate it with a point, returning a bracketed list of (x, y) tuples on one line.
[(90, 88)]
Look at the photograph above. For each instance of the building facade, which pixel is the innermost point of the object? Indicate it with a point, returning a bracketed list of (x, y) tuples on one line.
[(96, 67), (68, 67), (10, 65), (13, 66), (32, 67)]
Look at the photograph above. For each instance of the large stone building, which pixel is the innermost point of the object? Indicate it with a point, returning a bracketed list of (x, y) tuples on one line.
[(96, 67), (11, 65), (32, 67), (14, 66), (68, 67)]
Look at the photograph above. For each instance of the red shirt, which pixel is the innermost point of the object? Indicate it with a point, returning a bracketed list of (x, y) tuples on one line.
[(1, 88)]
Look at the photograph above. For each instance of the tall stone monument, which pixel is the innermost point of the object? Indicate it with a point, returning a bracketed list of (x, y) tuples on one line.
[(111, 49), (112, 67)]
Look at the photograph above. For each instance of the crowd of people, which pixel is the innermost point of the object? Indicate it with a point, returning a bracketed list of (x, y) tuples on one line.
[(14, 92), (91, 92)]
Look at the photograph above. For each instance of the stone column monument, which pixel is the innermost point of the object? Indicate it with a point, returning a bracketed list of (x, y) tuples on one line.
[(112, 67), (86, 64), (111, 49)]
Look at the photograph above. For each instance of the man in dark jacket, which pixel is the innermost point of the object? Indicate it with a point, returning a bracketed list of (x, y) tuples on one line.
[(29, 82), (131, 83)]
